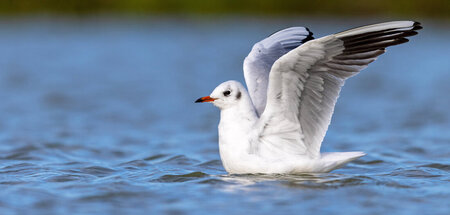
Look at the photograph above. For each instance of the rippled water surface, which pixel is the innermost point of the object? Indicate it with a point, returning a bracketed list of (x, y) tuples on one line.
[(97, 116)]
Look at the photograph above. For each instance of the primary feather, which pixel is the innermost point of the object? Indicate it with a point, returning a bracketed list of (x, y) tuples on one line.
[(262, 56), (305, 83)]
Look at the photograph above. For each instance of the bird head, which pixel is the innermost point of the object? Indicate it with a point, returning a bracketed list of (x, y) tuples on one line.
[(225, 95)]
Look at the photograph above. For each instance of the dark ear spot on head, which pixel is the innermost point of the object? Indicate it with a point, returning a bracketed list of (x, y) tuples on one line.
[(238, 95)]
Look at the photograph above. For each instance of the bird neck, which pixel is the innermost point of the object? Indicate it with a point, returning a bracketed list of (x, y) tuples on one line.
[(236, 124)]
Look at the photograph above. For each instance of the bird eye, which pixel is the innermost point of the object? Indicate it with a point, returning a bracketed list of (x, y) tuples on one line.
[(226, 93)]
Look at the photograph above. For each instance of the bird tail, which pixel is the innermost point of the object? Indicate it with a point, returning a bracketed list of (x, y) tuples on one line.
[(334, 160)]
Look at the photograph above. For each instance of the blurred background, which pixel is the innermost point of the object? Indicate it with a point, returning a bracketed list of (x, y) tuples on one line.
[(421, 8), (97, 112)]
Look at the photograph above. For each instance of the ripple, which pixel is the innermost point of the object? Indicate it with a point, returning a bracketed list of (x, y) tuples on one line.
[(19, 165), (25, 153), (393, 184), (115, 195), (182, 178), (155, 157), (371, 162), (23, 156), (416, 150), (413, 173), (98, 171), (65, 178), (19, 169), (439, 166), (12, 182), (213, 181), (211, 165), (180, 160), (135, 163)]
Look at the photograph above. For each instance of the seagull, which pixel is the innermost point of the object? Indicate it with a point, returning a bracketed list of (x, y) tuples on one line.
[(293, 82)]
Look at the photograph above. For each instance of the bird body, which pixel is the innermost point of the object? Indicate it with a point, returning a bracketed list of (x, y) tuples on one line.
[(294, 82)]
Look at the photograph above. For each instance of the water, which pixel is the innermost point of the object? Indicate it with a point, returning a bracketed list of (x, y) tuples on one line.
[(97, 116)]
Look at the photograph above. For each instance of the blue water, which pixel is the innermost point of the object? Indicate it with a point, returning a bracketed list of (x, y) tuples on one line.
[(97, 116)]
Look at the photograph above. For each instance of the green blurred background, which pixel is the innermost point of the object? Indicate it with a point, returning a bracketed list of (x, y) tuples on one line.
[(416, 8)]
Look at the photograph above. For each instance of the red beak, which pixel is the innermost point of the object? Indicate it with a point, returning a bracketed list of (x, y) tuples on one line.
[(205, 99)]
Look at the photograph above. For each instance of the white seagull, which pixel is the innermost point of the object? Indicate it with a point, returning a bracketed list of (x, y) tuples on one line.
[(293, 83)]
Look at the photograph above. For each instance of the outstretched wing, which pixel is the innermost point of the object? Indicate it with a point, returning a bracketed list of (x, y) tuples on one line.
[(264, 53), (305, 83)]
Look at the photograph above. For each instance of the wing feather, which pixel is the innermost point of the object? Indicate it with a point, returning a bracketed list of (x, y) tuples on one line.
[(304, 84), (262, 56)]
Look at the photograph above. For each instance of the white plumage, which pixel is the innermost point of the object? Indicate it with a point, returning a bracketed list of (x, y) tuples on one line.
[(293, 82)]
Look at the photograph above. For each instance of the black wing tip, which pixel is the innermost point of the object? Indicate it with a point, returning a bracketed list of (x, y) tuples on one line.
[(416, 26), (400, 41), (374, 47), (361, 42), (410, 34), (309, 37), (310, 33)]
